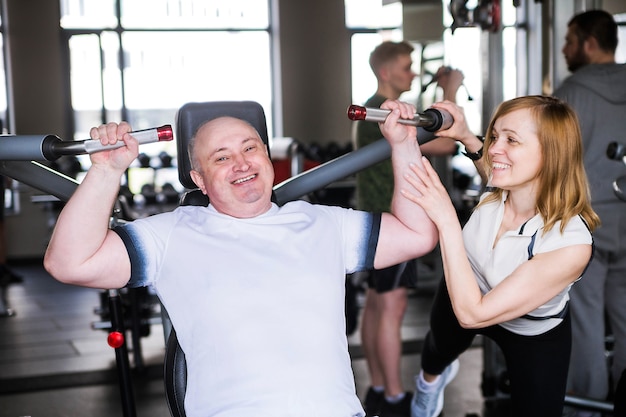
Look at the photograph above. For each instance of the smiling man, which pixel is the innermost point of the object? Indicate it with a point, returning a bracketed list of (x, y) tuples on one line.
[(255, 291), (233, 167)]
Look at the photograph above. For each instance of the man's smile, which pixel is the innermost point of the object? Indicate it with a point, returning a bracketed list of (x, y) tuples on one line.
[(244, 179)]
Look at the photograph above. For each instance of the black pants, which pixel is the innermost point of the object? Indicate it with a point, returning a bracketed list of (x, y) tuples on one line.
[(537, 365)]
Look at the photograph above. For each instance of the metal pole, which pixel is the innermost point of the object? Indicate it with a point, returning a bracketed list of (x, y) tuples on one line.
[(118, 341)]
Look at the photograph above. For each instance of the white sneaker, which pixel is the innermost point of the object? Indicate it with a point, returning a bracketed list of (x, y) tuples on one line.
[(430, 404)]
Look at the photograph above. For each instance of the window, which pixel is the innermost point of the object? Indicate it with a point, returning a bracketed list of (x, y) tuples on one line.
[(4, 122), (141, 60), (620, 53), (371, 22), (510, 34)]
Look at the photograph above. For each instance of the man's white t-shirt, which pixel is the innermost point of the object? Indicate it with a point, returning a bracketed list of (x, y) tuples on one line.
[(258, 304)]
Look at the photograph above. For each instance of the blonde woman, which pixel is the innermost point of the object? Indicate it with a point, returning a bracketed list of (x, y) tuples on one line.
[(509, 270)]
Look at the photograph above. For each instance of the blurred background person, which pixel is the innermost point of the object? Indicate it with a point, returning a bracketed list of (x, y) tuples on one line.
[(386, 296), (597, 92)]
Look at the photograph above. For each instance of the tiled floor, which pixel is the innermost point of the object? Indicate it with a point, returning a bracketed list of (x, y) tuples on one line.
[(53, 364)]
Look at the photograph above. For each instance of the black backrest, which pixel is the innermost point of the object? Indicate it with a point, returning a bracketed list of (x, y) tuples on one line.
[(175, 376)]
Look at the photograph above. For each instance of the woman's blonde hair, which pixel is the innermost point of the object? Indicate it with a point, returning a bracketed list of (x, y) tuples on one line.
[(563, 187)]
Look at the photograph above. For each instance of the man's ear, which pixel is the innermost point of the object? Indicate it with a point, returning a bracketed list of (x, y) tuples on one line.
[(383, 72), (590, 46), (198, 180)]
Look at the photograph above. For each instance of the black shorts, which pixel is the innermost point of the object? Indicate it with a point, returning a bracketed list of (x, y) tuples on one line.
[(403, 275)]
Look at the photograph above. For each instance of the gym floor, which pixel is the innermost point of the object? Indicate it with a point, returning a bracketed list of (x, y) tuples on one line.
[(54, 364)]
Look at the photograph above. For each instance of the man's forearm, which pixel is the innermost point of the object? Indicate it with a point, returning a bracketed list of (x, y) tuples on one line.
[(414, 217)]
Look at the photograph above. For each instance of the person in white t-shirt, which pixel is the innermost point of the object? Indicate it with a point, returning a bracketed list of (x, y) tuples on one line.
[(255, 291), (509, 270)]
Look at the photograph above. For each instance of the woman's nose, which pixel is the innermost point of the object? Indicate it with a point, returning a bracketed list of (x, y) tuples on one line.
[(495, 148)]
